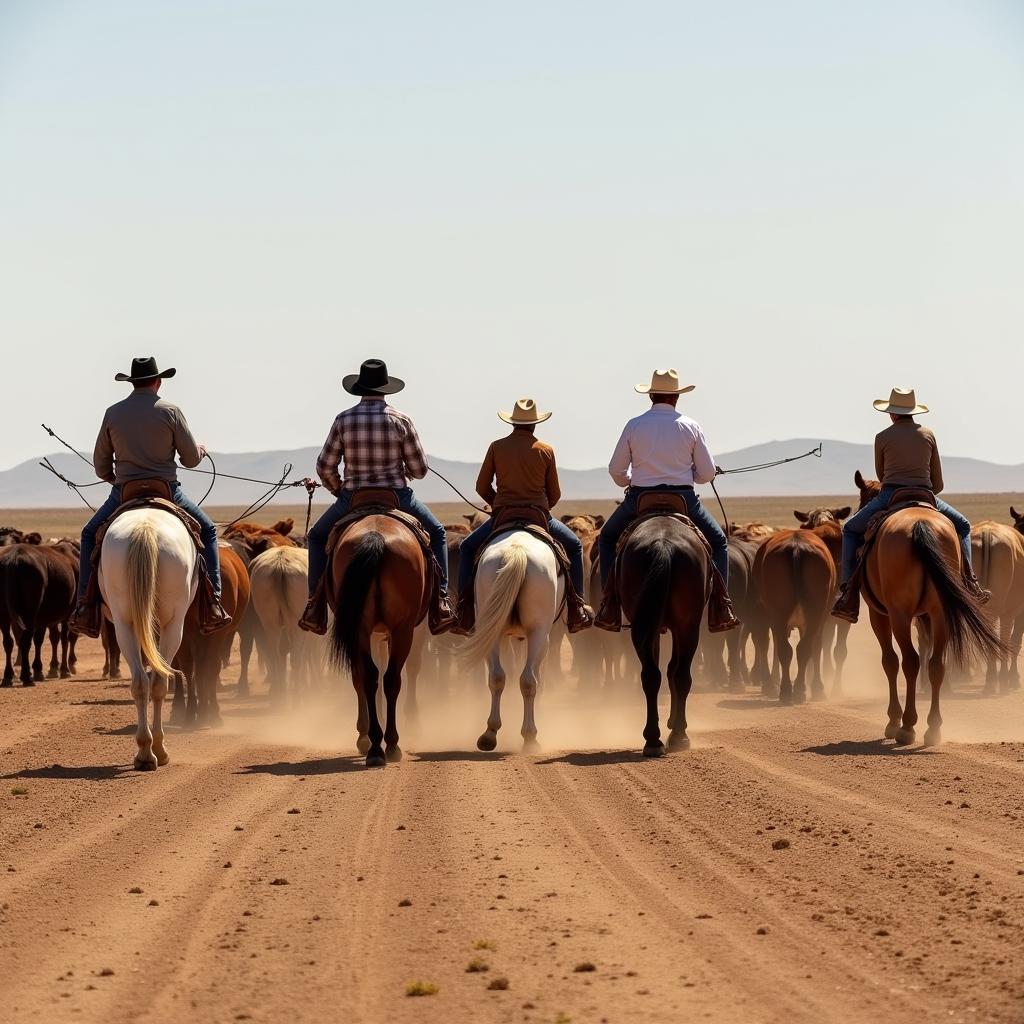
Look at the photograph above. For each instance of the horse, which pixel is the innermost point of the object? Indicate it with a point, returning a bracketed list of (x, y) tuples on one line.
[(379, 584), (913, 572), (664, 579), (519, 593), (998, 555), (147, 577)]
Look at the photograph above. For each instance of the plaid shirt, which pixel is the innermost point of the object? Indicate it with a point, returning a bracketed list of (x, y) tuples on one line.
[(380, 447)]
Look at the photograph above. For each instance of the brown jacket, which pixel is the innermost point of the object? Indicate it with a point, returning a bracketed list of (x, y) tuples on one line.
[(525, 471), (907, 454), (143, 433)]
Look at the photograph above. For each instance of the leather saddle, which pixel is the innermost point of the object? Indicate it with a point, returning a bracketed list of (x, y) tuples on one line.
[(902, 497), (533, 519), (378, 501), (653, 504)]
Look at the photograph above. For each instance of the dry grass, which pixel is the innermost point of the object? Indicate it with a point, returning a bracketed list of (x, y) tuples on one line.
[(421, 988)]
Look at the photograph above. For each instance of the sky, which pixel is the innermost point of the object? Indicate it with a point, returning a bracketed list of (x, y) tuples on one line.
[(798, 205)]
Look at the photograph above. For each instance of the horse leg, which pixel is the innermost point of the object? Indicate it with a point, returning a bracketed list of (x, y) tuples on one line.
[(246, 640), (735, 641), (650, 679), (362, 716), (809, 656), (368, 675), (839, 657), (65, 648), (1005, 634), (8, 651), (496, 684), (784, 654), (901, 628), (680, 679), (402, 642), (536, 649), (37, 661), (413, 668), (936, 672), (1013, 678), (25, 653), (891, 666), (53, 670)]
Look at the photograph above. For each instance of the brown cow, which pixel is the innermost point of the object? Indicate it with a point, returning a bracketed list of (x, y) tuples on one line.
[(998, 557), (755, 531), (199, 658)]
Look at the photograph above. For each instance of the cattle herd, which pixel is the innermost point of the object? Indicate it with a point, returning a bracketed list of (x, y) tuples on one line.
[(781, 581)]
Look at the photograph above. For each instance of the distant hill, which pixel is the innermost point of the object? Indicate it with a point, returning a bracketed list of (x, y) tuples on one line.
[(29, 486)]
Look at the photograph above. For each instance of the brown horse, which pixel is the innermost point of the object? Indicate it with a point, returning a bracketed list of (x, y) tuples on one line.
[(664, 577), (378, 584), (913, 572), (998, 555)]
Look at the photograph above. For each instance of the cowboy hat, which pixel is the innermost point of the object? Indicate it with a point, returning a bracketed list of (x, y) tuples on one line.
[(372, 379), (144, 369), (902, 402), (524, 414), (664, 382)]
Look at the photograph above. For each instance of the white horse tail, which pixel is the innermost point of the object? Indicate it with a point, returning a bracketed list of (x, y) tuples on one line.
[(493, 619), (143, 560)]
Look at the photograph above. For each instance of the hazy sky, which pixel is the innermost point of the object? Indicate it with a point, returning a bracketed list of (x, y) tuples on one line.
[(798, 204)]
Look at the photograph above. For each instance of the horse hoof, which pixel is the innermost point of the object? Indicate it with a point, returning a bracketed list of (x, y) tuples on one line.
[(817, 696), (892, 731), (376, 760), (145, 766), (116, 674), (52, 674), (799, 696), (66, 674), (786, 698), (28, 682), (654, 749), (394, 754), (487, 742), (932, 737), (7, 682), (363, 744), (162, 759), (678, 743), (905, 737), (530, 745)]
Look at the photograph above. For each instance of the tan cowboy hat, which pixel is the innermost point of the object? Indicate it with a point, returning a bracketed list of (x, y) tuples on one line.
[(524, 414), (664, 382), (902, 402)]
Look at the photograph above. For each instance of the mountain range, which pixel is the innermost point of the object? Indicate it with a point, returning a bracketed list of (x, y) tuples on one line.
[(29, 486)]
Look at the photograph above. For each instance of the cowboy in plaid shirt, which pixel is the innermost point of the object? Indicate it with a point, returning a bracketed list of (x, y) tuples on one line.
[(380, 448)]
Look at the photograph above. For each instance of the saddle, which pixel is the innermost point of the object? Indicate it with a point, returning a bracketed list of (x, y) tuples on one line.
[(533, 519), (150, 493)]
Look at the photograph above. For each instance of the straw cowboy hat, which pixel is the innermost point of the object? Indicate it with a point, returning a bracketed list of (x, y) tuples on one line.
[(664, 382), (524, 414), (144, 369), (902, 402), (372, 379)]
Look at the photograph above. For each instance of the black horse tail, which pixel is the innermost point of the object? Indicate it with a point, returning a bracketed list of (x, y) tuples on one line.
[(969, 630), (652, 597), (359, 579)]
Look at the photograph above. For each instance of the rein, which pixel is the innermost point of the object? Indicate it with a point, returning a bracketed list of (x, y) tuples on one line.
[(471, 504)]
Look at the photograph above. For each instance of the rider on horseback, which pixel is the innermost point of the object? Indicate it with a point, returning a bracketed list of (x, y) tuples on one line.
[(663, 450), (138, 440), (906, 455), (381, 449), (519, 470)]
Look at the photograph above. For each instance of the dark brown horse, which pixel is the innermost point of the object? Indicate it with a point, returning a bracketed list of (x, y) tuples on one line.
[(664, 577), (913, 573), (379, 584)]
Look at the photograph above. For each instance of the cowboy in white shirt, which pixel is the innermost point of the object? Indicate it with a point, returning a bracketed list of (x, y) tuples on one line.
[(664, 450)]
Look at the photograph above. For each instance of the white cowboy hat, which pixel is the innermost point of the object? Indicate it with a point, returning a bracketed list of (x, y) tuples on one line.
[(664, 382), (902, 402), (524, 413)]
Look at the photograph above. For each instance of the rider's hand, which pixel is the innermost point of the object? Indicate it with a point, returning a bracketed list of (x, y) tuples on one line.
[(201, 448), (308, 482), (718, 470)]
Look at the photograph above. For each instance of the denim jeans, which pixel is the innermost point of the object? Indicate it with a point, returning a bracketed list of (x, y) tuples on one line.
[(472, 544), (856, 526), (207, 529), (617, 522), (407, 501)]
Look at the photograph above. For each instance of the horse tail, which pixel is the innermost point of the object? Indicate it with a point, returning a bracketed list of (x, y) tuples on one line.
[(143, 559), (494, 617), (360, 575), (969, 629), (653, 595)]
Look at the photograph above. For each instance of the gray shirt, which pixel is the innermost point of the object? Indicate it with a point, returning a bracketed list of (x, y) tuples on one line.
[(142, 433)]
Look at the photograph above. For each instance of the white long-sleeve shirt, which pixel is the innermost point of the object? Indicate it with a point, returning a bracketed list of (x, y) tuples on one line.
[(661, 446)]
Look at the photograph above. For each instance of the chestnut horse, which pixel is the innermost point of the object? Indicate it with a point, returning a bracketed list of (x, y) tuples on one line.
[(664, 579), (913, 572), (379, 584)]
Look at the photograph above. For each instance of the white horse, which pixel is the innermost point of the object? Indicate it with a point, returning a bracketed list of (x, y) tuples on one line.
[(518, 594), (147, 576)]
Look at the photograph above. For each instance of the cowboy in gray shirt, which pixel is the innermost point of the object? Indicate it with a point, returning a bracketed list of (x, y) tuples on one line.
[(138, 440)]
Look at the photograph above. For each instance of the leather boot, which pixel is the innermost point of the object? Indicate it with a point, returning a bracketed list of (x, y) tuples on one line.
[(975, 589), (610, 615), (212, 616), (847, 606), (441, 618), (721, 617), (465, 616), (314, 618), (578, 615), (85, 619)]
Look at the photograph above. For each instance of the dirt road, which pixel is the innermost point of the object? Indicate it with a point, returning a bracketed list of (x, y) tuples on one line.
[(790, 867)]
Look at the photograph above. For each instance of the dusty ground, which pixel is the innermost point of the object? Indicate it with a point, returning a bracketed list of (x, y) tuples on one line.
[(265, 875)]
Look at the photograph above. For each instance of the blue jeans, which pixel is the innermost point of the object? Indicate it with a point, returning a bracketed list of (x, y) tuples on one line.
[(617, 522), (856, 526), (472, 544), (207, 529), (407, 501)]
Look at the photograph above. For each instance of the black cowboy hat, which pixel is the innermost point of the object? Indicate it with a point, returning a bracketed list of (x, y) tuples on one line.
[(144, 369), (372, 379)]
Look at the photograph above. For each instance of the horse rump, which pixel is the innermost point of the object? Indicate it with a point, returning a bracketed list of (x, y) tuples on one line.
[(360, 576), (653, 563)]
